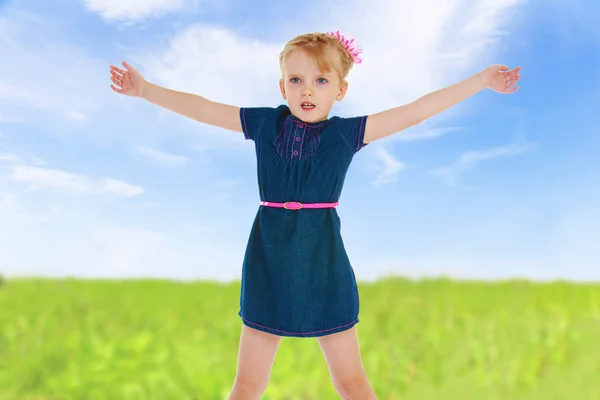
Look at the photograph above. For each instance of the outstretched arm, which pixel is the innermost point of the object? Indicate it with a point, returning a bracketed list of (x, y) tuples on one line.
[(195, 107), (386, 123), (129, 82)]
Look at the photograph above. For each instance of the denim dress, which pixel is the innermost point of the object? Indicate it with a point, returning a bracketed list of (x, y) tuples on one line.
[(297, 279)]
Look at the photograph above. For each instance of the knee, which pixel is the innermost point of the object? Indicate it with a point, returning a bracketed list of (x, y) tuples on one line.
[(247, 389), (354, 387)]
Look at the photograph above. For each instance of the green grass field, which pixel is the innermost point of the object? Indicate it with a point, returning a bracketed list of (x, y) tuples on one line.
[(436, 339)]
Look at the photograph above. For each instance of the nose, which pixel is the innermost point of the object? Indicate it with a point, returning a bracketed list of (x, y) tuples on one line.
[(307, 91)]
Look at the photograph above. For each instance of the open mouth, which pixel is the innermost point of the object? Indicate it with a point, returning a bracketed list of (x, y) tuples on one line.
[(307, 106)]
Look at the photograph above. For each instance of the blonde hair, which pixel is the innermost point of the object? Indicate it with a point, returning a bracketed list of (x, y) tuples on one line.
[(319, 47)]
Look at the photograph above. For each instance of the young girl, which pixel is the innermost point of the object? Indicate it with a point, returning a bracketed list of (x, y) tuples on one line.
[(296, 277)]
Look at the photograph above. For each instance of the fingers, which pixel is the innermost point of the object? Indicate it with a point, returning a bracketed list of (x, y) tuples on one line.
[(117, 69), (117, 78), (511, 79), (129, 67), (504, 70), (514, 74), (117, 75), (511, 85), (116, 89)]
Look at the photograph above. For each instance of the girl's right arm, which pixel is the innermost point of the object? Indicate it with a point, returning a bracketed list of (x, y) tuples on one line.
[(193, 106), (130, 82)]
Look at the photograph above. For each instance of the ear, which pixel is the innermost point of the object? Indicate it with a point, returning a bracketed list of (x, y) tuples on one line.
[(342, 92), (282, 88)]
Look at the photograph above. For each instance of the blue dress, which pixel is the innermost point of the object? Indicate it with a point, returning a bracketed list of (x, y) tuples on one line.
[(297, 279)]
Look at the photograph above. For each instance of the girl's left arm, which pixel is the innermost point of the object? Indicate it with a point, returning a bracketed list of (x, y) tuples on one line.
[(386, 123)]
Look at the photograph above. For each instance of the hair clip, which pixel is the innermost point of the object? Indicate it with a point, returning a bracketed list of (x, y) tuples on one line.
[(353, 49)]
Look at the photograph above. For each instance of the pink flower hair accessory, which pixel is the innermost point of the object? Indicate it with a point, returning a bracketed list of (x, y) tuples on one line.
[(353, 49)]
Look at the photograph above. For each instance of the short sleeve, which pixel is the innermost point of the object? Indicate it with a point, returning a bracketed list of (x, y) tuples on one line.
[(253, 119), (352, 131)]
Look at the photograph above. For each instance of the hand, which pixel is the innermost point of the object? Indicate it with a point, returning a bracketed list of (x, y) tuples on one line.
[(499, 79), (128, 82)]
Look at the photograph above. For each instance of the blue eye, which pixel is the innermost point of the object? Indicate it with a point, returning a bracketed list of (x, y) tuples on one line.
[(322, 80), (295, 80)]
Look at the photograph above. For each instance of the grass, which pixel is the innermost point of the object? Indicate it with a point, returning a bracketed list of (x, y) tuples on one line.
[(433, 339)]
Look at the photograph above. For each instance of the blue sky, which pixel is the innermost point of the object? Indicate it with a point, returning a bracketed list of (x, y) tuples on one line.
[(93, 184)]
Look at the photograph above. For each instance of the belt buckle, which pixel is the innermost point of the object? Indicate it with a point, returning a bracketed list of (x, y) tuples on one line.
[(298, 207)]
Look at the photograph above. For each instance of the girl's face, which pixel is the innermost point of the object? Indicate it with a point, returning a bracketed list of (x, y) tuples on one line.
[(310, 93)]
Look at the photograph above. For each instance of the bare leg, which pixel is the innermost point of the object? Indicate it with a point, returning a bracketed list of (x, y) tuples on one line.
[(255, 360), (348, 375)]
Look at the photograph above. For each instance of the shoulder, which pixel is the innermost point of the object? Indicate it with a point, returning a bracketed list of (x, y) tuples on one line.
[(254, 119), (263, 111), (351, 130), (348, 123)]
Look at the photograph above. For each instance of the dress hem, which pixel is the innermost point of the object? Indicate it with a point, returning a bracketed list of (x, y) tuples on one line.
[(278, 332)]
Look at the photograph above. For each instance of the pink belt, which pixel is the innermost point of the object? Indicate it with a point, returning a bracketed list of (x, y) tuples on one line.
[(294, 205)]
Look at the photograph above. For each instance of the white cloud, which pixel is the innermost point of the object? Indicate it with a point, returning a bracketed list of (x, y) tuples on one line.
[(75, 116), (387, 166), (10, 158), (423, 133), (135, 10), (166, 159), (241, 70), (121, 188), (16, 93), (42, 178), (419, 46), (470, 159)]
